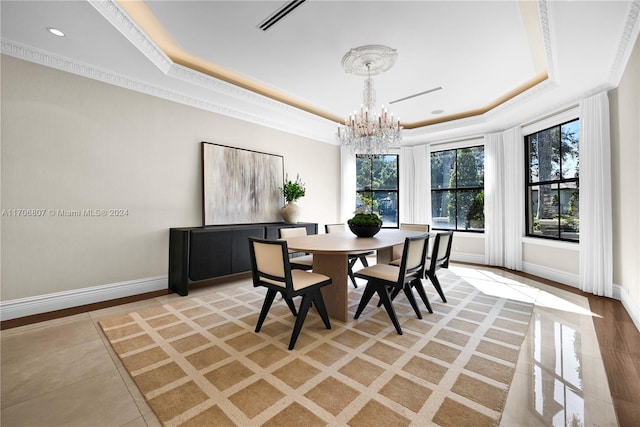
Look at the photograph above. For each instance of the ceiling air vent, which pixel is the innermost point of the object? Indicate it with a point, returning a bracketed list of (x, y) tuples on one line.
[(417, 94), (276, 16)]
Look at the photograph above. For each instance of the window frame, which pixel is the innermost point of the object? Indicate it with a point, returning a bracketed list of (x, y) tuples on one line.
[(548, 125), (456, 189), (374, 191)]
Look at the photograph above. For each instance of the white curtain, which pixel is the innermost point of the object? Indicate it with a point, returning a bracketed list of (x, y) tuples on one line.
[(513, 203), (414, 192), (407, 185), (422, 185), (596, 255), (494, 200), (428, 218), (348, 187)]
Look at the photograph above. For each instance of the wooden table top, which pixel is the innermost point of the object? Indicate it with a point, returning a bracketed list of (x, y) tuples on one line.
[(345, 242)]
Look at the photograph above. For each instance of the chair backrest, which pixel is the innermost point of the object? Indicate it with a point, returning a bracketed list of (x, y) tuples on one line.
[(270, 263), (414, 255), (441, 250), (396, 251), (292, 232), (415, 227), (334, 228)]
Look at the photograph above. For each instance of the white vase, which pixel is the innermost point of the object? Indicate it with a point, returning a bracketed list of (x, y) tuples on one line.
[(290, 213)]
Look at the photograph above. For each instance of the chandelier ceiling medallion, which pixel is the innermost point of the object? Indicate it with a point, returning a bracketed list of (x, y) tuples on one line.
[(365, 132)]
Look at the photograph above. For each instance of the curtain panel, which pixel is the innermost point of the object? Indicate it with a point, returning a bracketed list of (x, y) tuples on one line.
[(415, 196), (596, 253), (422, 188), (513, 204), (504, 199), (348, 187), (494, 200), (407, 185)]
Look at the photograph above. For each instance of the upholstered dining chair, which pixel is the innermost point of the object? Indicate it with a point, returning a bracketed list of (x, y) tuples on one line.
[(270, 268), (396, 251), (437, 258), (353, 257), (408, 274), (302, 262)]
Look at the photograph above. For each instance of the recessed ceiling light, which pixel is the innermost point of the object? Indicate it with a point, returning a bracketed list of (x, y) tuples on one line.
[(437, 112), (55, 31)]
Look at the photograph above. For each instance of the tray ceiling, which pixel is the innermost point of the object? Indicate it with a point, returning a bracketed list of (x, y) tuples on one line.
[(498, 62)]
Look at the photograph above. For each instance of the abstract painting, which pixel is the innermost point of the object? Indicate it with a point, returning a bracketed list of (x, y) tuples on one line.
[(240, 186)]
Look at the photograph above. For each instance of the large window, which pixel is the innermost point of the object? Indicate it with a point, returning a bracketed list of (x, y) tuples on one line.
[(457, 189), (552, 185), (377, 186)]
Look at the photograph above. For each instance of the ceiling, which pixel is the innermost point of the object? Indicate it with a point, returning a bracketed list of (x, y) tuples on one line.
[(499, 63)]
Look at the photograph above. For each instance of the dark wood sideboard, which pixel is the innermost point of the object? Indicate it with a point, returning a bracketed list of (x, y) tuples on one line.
[(197, 254)]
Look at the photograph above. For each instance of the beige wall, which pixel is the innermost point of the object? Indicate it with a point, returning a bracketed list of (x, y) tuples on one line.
[(551, 255), (468, 247), (73, 143), (625, 159)]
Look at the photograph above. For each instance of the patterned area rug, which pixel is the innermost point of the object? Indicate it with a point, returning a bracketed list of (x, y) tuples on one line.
[(197, 361)]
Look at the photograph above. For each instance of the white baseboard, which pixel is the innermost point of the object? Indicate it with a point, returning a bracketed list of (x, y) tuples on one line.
[(634, 311), (560, 276), (465, 257), (22, 307)]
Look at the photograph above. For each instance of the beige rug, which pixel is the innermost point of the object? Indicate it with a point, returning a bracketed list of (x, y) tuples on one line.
[(198, 362)]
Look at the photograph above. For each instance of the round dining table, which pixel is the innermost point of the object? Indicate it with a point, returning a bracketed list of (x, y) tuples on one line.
[(330, 257)]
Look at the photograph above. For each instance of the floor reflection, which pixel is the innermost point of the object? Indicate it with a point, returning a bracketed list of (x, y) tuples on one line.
[(557, 373), (560, 378)]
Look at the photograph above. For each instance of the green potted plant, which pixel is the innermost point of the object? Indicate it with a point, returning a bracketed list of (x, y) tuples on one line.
[(365, 222), (292, 191)]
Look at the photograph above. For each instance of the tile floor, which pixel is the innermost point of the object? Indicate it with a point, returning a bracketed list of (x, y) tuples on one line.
[(63, 372)]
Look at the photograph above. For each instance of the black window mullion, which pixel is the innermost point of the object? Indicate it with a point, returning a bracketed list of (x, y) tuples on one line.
[(556, 184), (452, 187)]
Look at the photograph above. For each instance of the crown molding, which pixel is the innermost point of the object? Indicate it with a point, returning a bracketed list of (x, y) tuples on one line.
[(627, 40), (545, 30), (297, 127), (119, 19)]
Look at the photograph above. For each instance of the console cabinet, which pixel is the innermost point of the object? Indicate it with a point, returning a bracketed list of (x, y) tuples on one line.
[(202, 253)]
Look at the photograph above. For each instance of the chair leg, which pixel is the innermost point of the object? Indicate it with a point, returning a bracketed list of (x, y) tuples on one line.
[(292, 307), (352, 262), (302, 314), (418, 285), (353, 278), (436, 284), (386, 301), (363, 260), (412, 300), (266, 305), (369, 290), (393, 293), (318, 301)]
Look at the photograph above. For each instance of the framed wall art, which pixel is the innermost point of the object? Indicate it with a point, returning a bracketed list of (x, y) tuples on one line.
[(240, 186)]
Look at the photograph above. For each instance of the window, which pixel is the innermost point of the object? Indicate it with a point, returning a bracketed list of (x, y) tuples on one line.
[(457, 189), (377, 183), (552, 189)]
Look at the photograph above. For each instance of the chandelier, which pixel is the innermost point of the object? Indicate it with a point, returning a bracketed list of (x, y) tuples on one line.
[(365, 132)]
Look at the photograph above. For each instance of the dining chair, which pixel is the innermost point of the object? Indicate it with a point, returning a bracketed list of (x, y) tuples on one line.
[(270, 268), (299, 262), (439, 258), (381, 277), (352, 257), (396, 251)]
